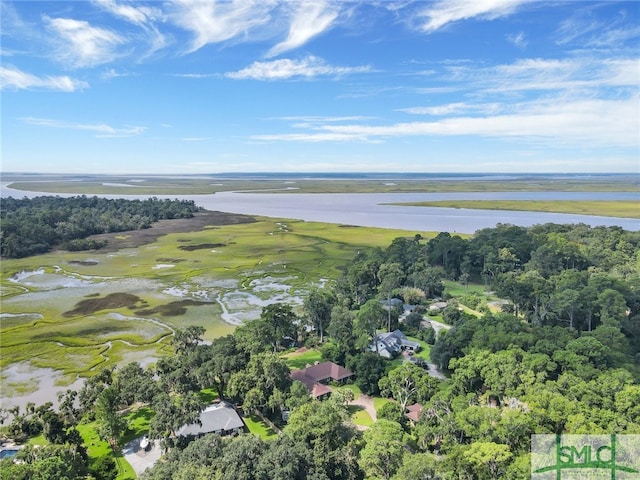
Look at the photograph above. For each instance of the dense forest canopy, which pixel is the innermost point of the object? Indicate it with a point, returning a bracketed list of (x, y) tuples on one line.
[(30, 226), (558, 354)]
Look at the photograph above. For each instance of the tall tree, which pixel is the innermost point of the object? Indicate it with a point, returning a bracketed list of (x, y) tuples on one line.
[(317, 306), (383, 451), (279, 318), (368, 319), (390, 276), (111, 424)]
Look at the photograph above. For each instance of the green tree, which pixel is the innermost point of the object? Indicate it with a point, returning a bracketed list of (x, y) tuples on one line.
[(279, 319), (418, 466), (368, 319), (111, 424), (384, 447), (317, 306), (266, 375), (407, 383), (323, 427), (488, 459), (390, 276), (368, 368), (185, 340)]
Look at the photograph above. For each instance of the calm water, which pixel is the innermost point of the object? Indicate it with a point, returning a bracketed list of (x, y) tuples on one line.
[(364, 209)]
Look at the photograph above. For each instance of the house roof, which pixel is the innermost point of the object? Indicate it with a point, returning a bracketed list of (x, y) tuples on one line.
[(414, 411), (216, 417), (314, 374)]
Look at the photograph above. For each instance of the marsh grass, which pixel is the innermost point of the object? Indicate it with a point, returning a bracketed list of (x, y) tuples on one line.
[(248, 259), (623, 209), (197, 185)]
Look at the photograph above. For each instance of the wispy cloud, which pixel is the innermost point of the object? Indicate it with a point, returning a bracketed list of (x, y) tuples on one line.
[(585, 123), (11, 77), (81, 45), (287, 68), (589, 30), (194, 139), (102, 130), (453, 109), (517, 39), (310, 19), (443, 12), (141, 16), (112, 73), (196, 75), (134, 14), (217, 21)]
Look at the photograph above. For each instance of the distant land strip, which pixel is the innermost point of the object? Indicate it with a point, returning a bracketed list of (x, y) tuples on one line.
[(100, 185), (601, 208)]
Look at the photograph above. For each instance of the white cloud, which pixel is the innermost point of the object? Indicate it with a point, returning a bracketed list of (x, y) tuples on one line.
[(452, 108), (443, 12), (215, 21), (14, 78), (286, 68), (586, 123), (587, 29), (573, 76), (138, 15), (142, 16), (81, 45), (310, 19), (102, 130), (518, 40)]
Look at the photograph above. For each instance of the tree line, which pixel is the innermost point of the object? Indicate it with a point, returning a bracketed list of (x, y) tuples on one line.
[(30, 226)]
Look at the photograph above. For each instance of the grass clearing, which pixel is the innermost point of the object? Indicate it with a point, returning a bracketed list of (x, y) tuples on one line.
[(379, 402), (97, 448), (604, 208), (456, 289), (360, 416), (258, 427), (299, 360), (354, 388)]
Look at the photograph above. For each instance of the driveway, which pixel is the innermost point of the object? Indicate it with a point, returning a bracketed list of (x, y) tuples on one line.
[(139, 458)]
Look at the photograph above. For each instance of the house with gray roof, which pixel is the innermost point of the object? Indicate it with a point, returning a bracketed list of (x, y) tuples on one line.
[(220, 418), (390, 344)]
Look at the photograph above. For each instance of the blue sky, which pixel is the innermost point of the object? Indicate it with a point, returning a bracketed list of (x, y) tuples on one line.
[(188, 87)]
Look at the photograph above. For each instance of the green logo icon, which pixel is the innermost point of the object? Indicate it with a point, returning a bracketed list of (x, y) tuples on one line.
[(585, 457)]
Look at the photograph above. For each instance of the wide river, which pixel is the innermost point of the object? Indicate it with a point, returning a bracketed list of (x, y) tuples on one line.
[(369, 209)]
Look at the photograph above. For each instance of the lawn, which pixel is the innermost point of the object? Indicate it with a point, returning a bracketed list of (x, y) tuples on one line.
[(300, 359), (456, 289), (258, 427), (360, 416), (354, 388), (97, 448), (379, 402), (425, 349)]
